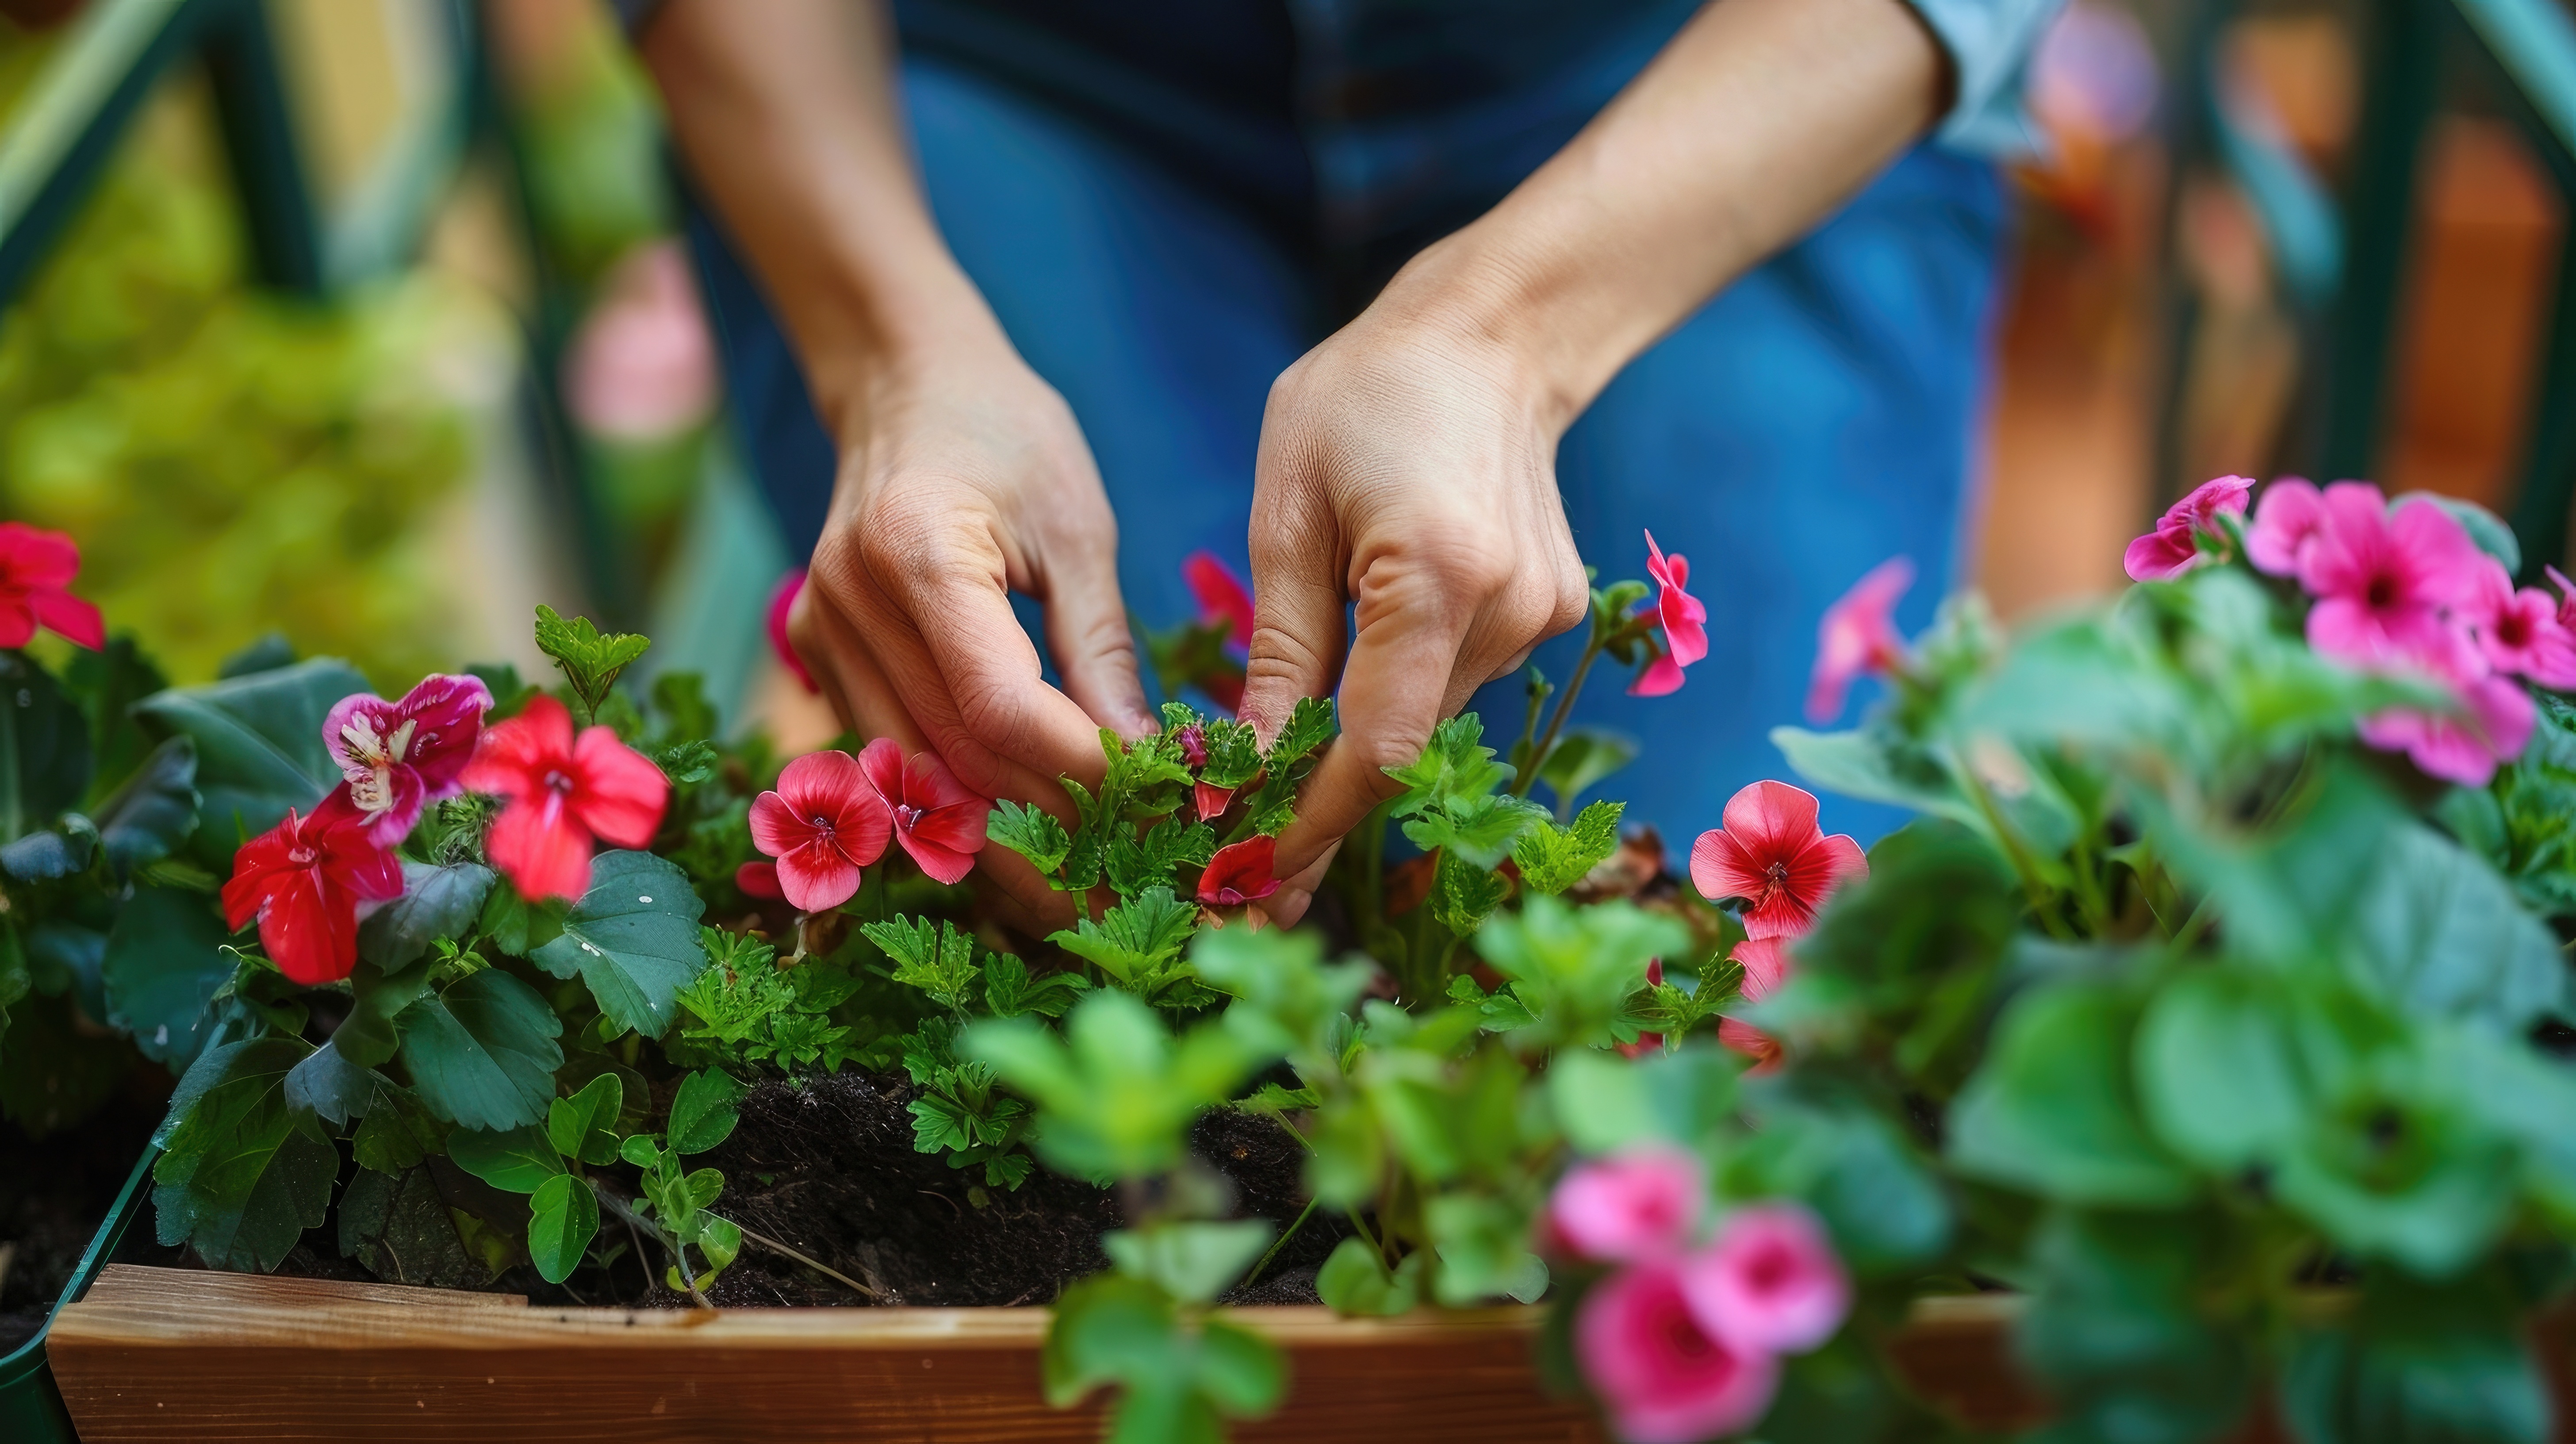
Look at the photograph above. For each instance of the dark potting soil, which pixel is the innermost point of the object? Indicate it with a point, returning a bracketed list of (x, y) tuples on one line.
[(56, 1191)]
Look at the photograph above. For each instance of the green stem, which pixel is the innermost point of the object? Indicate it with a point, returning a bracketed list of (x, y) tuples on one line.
[(1556, 721), (2022, 864), (1276, 1247)]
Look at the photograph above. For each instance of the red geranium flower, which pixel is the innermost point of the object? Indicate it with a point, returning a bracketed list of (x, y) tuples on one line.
[(303, 879), (1772, 855), (823, 824), (935, 818), (1240, 874), (35, 568), (1684, 619), (562, 792), (1766, 966)]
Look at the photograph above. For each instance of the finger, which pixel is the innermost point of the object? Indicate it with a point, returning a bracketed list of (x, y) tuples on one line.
[(1394, 691), (1086, 619), (1296, 644), (1286, 906)]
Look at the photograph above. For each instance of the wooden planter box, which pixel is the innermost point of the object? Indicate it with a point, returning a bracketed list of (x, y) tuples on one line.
[(169, 1354)]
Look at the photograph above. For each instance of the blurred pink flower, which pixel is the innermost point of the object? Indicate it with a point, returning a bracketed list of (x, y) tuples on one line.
[(641, 368), (2566, 597), (937, 820), (1663, 1377), (759, 879), (1683, 617), (2286, 518), (1639, 1205), (2461, 749), (1770, 1283), (2383, 577), (824, 823), (399, 757), (1772, 854), (561, 791), (1858, 637), (2519, 630), (1222, 597), (2173, 548), (36, 570), (780, 601), (2094, 74), (1766, 966)]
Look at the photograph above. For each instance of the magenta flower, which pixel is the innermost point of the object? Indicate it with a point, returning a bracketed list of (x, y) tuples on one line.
[(1772, 854), (2383, 577), (1770, 1283), (1858, 637), (938, 821), (2288, 517), (1635, 1206), (304, 880), (2173, 548), (2457, 748), (2566, 597), (1766, 966), (399, 757), (1663, 1377), (1684, 620), (823, 823), (2519, 631), (780, 600)]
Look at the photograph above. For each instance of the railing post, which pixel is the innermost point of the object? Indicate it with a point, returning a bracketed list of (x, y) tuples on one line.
[(259, 139), (2398, 93)]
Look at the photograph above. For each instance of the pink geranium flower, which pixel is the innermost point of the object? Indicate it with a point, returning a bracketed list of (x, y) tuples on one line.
[(1858, 637), (1240, 874), (2465, 749), (1770, 1283), (36, 568), (1222, 597), (1638, 1205), (303, 880), (399, 757), (780, 600), (1683, 617), (2173, 548), (935, 817), (562, 792), (2383, 577), (1662, 1376), (2288, 517), (2519, 631), (1772, 854), (824, 822), (1766, 966)]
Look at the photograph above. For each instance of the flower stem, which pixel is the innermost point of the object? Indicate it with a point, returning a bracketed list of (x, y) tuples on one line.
[(1556, 721), (1276, 1247)]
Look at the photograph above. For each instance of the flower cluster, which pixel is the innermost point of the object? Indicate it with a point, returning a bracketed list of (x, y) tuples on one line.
[(1772, 855), (1683, 1340), (832, 815)]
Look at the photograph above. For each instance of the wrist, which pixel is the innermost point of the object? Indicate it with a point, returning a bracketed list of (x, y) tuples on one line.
[(893, 340)]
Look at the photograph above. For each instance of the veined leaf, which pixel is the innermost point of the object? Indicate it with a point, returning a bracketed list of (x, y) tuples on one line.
[(437, 902), (1031, 832), (483, 1053), (1134, 940), (237, 1178), (633, 938), (259, 747)]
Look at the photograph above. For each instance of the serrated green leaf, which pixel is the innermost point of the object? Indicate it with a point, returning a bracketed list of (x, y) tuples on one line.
[(633, 939), (237, 1178), (590, 660), (259, 747), (1010, 991), (1311, 724), (1031, 832), (332, 1088), (1135, 863), (1553, 858), (934, 957), (483, 1053), (1134, 941)]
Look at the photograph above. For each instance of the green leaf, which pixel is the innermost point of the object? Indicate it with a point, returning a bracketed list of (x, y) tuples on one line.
[(2115, 1333), (633, 938), (44, 747), (2218, 1068), (370, 1034), (2051, 1109), (1234, 753), (56, 852), (1116, 1093), (154, 811), (107, 683), (1355, 1284), (590, 660), (1887, 1205), (1133, 941), (563, 1217), (1193, 1262), (164, 964), (1581, 758), (1009, 991), (705, 1110), (1576, 968), (1135, 864), (334, 1089), (584, 1126), (397, 1136), (934, 957), (259, 747), (1031, 832), (1484, 1250), (1605, 1103), (238, 1179), (1552, 858), (2438, 932), (398, 1226), (1463, 895), (2419, 1363), (517, 1159), (1311, 724), (437, 902), (1288, 1000), (483, 1053)]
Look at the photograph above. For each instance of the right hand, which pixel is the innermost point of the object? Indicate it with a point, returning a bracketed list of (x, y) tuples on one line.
[(964, 478)]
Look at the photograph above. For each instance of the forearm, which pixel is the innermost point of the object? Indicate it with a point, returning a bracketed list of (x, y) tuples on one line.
[(786, 112), (1756, 121)]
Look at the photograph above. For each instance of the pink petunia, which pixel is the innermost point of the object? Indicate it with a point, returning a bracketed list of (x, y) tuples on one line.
[(2384, 577), (1638, 1205), (781, 600), (823, 824), (1766, 966), (1661, 1375), (1771, 1283), (1683, 617), (303, 880), (2520, 631), (1858, 637), (36, 571), (2287, 518), (399, 757), (938, 821), (1240, 874), (562, 792), (1772, 854), (2173, 548)]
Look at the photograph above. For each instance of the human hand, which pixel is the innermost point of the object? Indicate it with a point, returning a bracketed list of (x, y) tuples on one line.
[(1411, 468), (964, 478)]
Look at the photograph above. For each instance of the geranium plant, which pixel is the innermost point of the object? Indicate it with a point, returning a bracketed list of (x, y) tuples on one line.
[(2216, 1002)]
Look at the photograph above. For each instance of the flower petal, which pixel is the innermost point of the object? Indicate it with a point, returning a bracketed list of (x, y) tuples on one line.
[(1772, 818), (1662, 677), (620, 794), (1721, 868), (776, 828), (1221, 595), (33, 558), (816, 877), (75, 619), (882, 761), (943, 864), (543, 851), (959, 828), (513, 756), (309, 932)]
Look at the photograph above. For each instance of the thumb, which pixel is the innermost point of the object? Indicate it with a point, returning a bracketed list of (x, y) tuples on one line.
[(1086, 624), (1297, 614)]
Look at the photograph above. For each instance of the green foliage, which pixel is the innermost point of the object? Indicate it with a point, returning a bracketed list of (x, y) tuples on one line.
[(240, 1177), (1181, 1372), (1138, 943), (632, 939), (745, 1010), (482, 1053), (1117, 1090), (259, 747), (1553, 858), (589, 660)]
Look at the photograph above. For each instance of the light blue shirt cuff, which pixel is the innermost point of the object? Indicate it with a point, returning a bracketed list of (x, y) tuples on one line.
[(1990, 44)]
